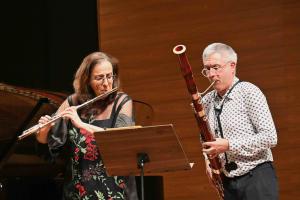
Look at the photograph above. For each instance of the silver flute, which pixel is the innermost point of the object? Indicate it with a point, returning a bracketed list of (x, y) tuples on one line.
[(37, 127)]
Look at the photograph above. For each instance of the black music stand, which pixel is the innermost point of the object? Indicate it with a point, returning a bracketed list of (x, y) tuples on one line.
[(138, 150)]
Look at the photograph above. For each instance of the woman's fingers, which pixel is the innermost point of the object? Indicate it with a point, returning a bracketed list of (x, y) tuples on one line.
[(44, 119)]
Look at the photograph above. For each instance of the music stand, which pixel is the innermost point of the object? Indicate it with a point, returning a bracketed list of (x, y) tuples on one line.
[(137, 150)]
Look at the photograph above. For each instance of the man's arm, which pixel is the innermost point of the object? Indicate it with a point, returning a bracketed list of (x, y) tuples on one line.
[(262, 121)]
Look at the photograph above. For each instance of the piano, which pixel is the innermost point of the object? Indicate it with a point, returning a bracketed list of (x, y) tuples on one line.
[(26, 168)]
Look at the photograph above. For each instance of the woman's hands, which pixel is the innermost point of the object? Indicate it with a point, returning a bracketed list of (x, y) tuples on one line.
[(71, 113), (42, 134), (43, 120)]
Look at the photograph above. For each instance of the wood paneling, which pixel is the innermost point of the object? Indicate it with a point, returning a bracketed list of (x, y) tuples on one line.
[(265, 34)]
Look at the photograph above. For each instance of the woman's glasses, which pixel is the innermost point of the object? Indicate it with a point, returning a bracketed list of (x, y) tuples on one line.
[(101, 78)]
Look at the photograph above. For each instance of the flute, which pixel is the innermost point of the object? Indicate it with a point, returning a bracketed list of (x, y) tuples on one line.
[(37, 127)]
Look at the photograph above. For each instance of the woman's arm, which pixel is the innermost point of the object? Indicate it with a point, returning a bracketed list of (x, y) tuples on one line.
[(126, 115), (42, 134)]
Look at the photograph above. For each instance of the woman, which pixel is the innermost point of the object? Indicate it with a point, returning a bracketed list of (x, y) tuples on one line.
[(97, 74)]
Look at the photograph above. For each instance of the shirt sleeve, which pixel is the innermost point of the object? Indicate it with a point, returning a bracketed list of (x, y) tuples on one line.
[(265, 135)]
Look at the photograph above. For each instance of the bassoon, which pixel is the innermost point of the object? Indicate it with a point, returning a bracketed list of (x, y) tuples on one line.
[(201, 118)]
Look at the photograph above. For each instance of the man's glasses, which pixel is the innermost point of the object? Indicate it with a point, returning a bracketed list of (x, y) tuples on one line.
[(101, 78), (216, 68)]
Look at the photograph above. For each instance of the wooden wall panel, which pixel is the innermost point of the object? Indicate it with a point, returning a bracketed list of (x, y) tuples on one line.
[(265, 34)]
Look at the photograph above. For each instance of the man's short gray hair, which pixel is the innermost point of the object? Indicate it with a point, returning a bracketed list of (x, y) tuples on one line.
[(220, 48)]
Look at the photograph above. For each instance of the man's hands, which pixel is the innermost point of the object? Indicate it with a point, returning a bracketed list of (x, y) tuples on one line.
[(214, 148), (210, 151)]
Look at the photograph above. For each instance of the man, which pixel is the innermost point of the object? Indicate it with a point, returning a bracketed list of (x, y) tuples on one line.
[(239, 116)]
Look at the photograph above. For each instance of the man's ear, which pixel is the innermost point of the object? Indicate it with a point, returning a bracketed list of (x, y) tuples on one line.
[(233, 65)]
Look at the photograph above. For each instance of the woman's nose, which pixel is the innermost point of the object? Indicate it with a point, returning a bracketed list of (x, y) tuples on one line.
[(105, 81)]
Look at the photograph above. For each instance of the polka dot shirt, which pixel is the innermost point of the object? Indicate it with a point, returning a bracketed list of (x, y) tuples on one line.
[(247, 124)]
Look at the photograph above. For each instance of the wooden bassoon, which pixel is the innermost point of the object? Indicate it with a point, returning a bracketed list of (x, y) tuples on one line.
[(201, 118)]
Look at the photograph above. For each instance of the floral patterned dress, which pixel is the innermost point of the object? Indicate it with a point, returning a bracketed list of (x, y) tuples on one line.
[(89, 180)]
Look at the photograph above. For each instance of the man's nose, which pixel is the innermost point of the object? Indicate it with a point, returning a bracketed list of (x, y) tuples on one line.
[(211, 73)]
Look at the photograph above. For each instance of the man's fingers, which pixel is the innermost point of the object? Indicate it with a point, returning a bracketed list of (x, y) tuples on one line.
[(206, 144), (210, 150)]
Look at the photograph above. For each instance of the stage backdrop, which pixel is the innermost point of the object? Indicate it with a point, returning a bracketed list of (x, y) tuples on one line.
[(265, 34)]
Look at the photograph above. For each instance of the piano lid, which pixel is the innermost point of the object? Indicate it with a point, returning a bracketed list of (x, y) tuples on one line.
[(16, 106), (16, 103), (16, 114)]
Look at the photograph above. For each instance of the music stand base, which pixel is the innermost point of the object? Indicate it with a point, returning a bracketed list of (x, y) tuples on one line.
[(142, 158)]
